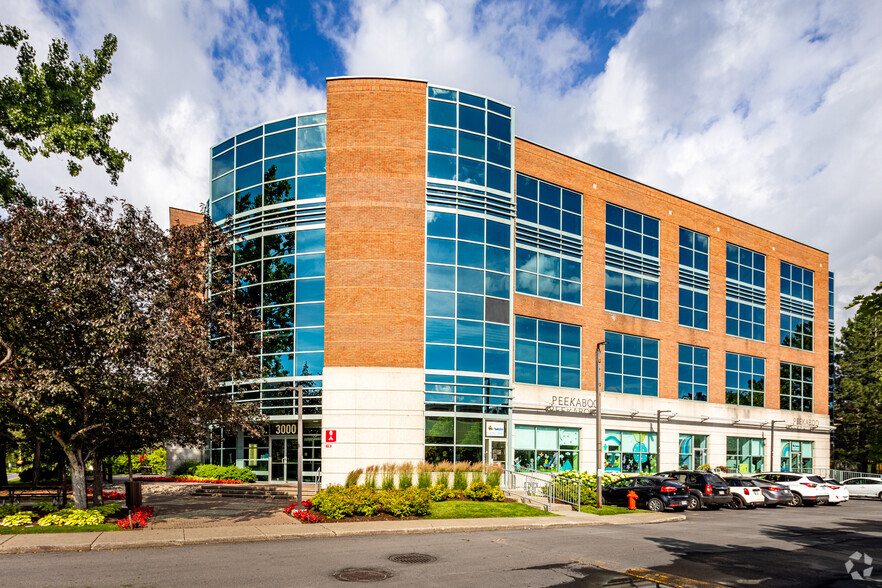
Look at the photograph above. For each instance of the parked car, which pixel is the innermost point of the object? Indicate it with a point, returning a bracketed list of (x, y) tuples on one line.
[(653, 493), (744, 493), (773, 494), (705, 488), (838, 492), (864, 487), (807, 489)]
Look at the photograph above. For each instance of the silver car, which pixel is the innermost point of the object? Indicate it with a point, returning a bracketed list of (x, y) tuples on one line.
[(773, 494), (864, 487), (807, 489)]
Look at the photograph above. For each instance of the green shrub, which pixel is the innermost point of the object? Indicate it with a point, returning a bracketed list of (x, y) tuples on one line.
[(589, 483), (483, 491), (46, 507), (443, 479), (406, 503), (70, 517), (333, 502), (494, 476), (440, 493), (186, 468), (365, 500), (18, 519), (216, 472), (107, 509), (9, 509), (156, 461)]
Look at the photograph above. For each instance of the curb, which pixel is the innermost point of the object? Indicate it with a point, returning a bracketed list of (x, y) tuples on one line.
[(151, 538)]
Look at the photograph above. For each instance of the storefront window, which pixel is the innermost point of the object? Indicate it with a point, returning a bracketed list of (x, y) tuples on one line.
[(796, 456), (693, 451), (547, 449), (629, 451), (744, 455)]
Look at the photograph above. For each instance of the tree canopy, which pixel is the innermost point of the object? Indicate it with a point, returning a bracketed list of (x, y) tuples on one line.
[(49, 108), (113, 337), (858, 401)]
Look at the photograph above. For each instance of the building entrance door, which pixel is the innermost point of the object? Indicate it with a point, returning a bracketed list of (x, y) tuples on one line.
[(283, 459), (496, 452)]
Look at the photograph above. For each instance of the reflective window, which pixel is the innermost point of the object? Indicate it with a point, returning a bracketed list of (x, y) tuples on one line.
[(797, 387), (546, 449), (629, 451), (547, 353), (632, 263), (745, 380), (797, 306), (548, 255), (745, 293), (692, 373), (630, 364), (744, 454), (694, 279)]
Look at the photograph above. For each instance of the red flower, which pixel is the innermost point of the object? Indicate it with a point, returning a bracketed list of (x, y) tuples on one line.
[(139, 519)]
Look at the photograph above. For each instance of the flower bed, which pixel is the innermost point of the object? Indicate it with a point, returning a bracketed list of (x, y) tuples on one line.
[(191, 479), (351, 503), (139, 519), (45, 514)]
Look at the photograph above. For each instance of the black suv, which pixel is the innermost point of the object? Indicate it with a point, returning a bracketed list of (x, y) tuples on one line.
[(705, 488)]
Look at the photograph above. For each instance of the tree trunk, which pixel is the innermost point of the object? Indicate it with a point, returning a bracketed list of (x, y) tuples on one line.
[(36, 465), (97, 480), (77, 477), (4, 480)]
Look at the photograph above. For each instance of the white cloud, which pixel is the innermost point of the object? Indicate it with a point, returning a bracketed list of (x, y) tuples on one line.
[(185, 76), (768, 112)]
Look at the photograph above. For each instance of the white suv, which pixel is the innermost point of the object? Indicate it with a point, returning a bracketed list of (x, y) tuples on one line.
[(807, 489)]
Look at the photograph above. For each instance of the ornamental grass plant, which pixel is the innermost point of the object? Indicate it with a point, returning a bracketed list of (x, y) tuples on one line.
[(370, 476), (388, 476), (460, 475), (424, 475), (405, 475), (443, 469), (353, 476)]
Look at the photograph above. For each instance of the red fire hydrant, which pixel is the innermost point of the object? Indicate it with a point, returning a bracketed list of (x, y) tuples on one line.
[(632, 500)]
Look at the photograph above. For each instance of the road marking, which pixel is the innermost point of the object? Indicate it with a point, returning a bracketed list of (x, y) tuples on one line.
[(670, 579)]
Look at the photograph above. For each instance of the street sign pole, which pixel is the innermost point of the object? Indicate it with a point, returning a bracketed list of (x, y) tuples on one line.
[(299, 388)]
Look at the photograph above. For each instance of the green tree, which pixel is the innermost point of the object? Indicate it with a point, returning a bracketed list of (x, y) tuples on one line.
[(858, 402), (113, 341), (48, 109)]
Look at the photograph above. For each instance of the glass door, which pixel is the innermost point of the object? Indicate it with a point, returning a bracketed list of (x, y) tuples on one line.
[(278, 459)]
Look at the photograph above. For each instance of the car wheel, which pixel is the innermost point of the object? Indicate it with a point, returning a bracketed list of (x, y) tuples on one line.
[(880, 496), (655, 505), (694, 502), (737, 502), (796, 500)]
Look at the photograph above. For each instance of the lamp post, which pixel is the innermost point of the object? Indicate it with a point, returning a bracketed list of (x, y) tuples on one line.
[(598, 425), (772, 447), (658, 414), (299, 388)]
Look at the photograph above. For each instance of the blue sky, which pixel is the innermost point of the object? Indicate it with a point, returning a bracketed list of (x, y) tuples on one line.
[(767, 111)]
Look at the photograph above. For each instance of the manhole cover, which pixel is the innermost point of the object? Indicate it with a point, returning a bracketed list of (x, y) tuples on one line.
[(412, 558), (362, 575)]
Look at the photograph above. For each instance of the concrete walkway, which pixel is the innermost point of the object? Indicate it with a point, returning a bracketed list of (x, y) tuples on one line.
[(181, 519)]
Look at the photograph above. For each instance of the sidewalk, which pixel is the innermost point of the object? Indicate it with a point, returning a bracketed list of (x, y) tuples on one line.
[(184, 520)]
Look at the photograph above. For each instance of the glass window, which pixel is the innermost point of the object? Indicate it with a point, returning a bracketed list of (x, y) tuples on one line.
[(632, 263), (279, 143), (547, 353), (546, 448), (797, 306), (745, 293), (745, 380), (797, 456), (630, 364), (629, 451), (744, 455), (693, 451), (797, 387), (692, 379)]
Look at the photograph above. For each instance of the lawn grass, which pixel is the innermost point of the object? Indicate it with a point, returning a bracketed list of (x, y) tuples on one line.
[(607, 509), (58, 529), (460, 509)]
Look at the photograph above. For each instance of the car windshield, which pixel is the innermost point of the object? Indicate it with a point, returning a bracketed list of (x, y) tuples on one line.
[(713, 479)]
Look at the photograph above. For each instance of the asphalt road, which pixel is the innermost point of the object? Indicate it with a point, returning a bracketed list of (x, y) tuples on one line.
[(806, 546)]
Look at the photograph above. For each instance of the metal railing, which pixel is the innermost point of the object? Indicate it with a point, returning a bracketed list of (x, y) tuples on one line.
[(547, 485)]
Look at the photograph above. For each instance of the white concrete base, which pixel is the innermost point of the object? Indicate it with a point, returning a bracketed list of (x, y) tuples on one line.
[(377, 416)]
